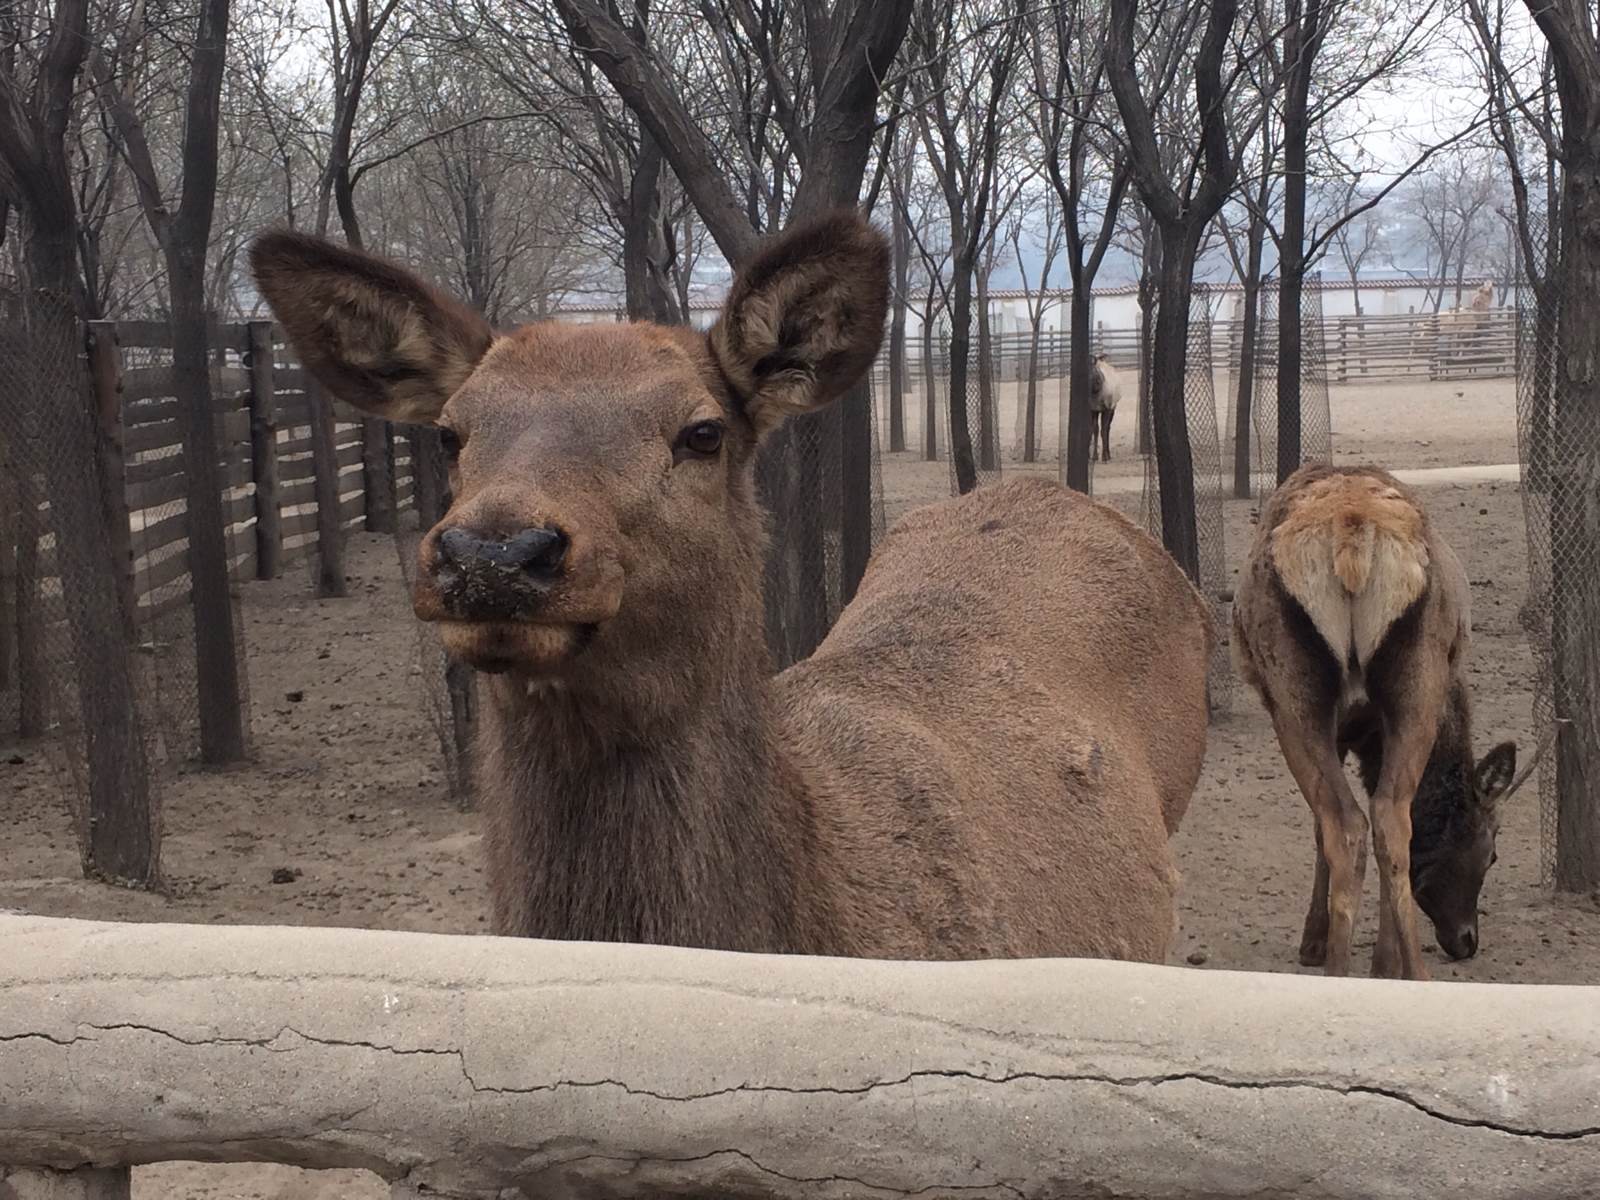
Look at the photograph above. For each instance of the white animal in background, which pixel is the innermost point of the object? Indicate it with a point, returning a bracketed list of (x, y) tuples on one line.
[(1105, 389)]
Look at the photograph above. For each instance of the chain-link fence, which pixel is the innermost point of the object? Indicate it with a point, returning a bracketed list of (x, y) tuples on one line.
[(75, 676), (1558, 425), (1200, 413), (1255, 455), (449, 689), (131, 364), (971, 414)]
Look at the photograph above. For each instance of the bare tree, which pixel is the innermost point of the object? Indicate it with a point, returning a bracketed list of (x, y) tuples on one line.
[(968, 55), (600, 144), (1246, 248), (1574, 454), (1374, 43), (120, 840), (184, 237), (1052, 233), (1452, 202), (824, 122), (1069, 96), (1358, 240), (1181, 213), (355, 31)]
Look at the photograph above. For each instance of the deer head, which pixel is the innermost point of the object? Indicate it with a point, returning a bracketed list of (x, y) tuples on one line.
[(604, 534), (1453, 846)]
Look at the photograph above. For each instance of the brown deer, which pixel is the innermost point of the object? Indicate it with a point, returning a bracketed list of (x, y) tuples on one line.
[(984, 758), (1352, 623)]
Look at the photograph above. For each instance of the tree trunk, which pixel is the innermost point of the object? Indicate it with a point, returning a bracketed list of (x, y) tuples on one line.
[(1244, 393), (648, 296), (33, 709), (1299, 47), (1030, 434), (1147, 347), (1080, 433), (1249, 329), (1174, 458), (216, 655), (962, 460), (988, 423), (897, 334), (1575, 524), (120, 840), (930, 392), (8, 570)]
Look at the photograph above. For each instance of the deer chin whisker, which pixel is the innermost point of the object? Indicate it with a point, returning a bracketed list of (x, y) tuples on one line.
[(497, 647)]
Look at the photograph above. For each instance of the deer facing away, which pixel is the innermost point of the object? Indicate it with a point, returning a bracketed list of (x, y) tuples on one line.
[(1105, 390), (984, 758), (1352, 623)]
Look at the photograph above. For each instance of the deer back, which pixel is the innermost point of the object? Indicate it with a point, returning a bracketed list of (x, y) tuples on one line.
[(1004, 727)]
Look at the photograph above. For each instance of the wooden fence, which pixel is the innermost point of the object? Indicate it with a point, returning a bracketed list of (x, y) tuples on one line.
[(282, 469), (1364, 349), (296, 470), (476, 1068)]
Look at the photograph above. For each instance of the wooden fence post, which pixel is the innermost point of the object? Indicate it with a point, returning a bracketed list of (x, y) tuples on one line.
[(105, 371), (377, 476), (264, 451), (325, 459)]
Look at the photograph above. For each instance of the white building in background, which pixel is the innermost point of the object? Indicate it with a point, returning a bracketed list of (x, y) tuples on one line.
[(1117, 306)]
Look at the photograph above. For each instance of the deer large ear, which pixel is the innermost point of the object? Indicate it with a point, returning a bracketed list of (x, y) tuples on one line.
[(804, 319), (1495, 771), (374, 334)]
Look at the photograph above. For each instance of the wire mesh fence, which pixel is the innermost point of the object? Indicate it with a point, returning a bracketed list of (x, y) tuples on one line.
[(1255, 455), (132, 362), (449, 689), (74, 680), (1558, 425), (1200, 419)]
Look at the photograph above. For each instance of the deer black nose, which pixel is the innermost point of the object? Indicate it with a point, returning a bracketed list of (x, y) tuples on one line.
[(538, 552)]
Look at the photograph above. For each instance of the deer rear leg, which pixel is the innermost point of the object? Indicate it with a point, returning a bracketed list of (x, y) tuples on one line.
[(1105, 434), (1308, 748), (1408, 743), (1314, 938)]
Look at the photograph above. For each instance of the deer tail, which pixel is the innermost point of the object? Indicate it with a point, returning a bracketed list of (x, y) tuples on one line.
[(1353, 548)]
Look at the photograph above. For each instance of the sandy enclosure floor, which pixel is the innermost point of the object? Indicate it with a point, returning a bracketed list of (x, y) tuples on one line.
[(345, 788)]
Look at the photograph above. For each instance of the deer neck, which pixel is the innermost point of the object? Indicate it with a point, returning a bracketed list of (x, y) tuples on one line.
[(1445, 788), (692, 826)]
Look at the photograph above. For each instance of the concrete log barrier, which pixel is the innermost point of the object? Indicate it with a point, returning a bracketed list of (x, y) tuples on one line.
[(471, 1067)]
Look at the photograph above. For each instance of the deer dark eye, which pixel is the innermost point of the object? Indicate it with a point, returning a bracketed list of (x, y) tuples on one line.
[(702, 439), (450, 440)]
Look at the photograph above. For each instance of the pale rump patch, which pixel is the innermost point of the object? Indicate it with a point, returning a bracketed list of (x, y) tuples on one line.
[(1352, 550)]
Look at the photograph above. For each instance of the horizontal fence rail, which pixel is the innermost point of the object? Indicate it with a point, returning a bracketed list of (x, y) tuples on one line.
[(466, 1067), (1360, 349)]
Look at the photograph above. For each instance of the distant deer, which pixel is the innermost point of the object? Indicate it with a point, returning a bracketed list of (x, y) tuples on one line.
[(984, 758), (1105, 390), (1352, 623)]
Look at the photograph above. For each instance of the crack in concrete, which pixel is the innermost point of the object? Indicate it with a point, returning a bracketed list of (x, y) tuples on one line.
[(1068, 1077), (1126, 1081), (936, 1188)]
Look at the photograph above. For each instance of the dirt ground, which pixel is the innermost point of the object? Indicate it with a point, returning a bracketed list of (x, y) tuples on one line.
[(345, 797)]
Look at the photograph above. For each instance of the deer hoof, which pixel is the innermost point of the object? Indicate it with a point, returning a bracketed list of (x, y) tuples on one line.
[(1313, 952)]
